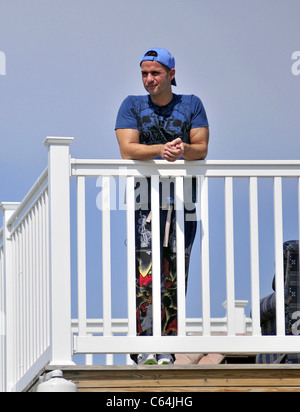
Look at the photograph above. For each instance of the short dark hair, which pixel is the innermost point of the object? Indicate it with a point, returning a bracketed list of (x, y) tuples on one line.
[(153, 53)]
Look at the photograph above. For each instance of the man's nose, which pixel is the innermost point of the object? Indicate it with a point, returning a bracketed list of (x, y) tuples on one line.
[(150, 78)]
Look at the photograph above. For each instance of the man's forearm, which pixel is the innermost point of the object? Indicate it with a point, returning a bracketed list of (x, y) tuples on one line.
[(137, 151), (195, 151)]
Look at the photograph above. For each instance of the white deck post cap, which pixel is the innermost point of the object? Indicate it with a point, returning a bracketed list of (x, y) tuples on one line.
[(63, 141)]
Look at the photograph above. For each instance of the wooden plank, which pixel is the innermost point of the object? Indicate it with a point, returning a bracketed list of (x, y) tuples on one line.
[(178, 380), (186, 383), (196, 390), (186, 378)]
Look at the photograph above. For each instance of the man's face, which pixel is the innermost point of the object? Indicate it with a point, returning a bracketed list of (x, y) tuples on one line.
[(156, 78)]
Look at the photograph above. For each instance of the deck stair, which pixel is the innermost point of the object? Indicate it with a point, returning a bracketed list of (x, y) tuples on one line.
[(208, 378)]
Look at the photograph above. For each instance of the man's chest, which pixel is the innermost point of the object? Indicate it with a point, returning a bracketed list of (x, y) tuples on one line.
[(160, 127)]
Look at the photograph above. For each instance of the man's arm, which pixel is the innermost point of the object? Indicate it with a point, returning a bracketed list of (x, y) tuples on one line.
[(131, 148), (198, 147)]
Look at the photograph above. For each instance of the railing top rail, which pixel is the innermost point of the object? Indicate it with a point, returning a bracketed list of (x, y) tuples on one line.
[(209, 168), (31, 197)]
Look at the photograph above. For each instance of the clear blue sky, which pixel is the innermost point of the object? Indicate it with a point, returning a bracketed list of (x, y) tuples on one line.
[(70, 63)]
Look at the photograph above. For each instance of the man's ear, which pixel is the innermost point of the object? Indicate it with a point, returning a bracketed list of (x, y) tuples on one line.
[(172, 74)]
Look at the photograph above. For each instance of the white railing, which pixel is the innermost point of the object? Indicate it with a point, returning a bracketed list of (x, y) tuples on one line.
[(205, 172), (47, 234), (2, 315), (194, 326), (25, 287)]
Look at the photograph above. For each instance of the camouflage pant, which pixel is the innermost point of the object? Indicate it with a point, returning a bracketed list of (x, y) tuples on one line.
[(168, 270)]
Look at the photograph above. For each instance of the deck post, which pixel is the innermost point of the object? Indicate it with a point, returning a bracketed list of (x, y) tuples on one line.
[(60, 249)]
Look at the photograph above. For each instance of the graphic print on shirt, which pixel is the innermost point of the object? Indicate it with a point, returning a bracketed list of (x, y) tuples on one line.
[(161, 125)]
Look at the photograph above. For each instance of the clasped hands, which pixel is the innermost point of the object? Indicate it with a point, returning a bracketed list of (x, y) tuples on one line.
[(173, 151)]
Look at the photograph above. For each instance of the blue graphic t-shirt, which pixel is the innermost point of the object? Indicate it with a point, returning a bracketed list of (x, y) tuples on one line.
[(162, 124)]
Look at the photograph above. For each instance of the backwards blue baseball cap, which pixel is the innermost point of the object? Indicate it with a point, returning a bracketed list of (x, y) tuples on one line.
[(162, 56)]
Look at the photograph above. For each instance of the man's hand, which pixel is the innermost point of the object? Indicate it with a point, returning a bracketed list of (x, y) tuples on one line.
[(173, 151), (131, 148)]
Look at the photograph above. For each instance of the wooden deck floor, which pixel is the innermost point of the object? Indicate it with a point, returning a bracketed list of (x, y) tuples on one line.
[(212, 378)]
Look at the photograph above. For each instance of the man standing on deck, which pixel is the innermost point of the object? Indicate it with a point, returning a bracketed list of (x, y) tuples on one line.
[(170, 127)]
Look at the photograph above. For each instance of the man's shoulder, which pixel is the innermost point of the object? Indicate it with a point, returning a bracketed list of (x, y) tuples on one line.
[(189, 98), (133, 99), (188, 102)]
